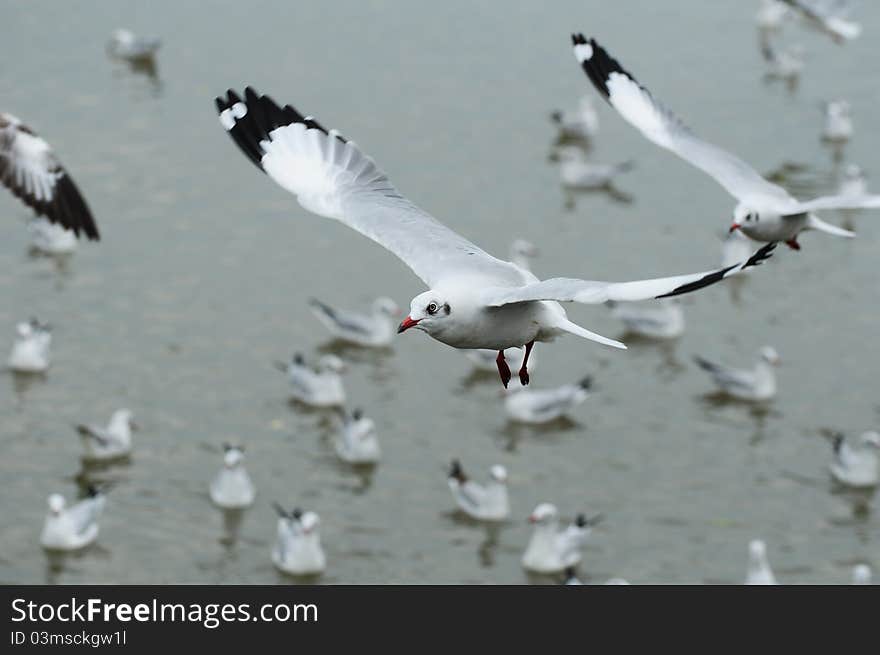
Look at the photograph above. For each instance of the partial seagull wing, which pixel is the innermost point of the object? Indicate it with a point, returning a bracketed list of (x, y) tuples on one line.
[(32, 172), (838, 202), (591, 292), (331, 177), (336, 319), (659, 125), (86, 512), (726, 376), (91, 432), (827, 19)]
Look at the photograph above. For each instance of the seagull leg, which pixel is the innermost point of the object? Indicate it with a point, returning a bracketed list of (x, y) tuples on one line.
[(503, 368), (793, 244), (523, 370)]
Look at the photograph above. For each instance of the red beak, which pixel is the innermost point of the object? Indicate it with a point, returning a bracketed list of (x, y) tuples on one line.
[(406, 324), (734, 228)]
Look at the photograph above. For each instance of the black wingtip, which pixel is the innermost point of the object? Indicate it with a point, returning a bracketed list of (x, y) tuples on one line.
[(761, 255), (586, 383)]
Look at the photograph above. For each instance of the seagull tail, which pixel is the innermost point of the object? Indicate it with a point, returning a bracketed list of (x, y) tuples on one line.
[(572, 328), (815, 223)]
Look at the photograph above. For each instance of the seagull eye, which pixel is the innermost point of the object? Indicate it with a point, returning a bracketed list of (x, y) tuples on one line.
[(432, 308)]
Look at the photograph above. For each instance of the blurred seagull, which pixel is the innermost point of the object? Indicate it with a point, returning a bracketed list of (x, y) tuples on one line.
[(660, 320), (298, 548), (583, 123), (765, 211), (551, 550), (578, 172), (861, 574), (487, 502), (759, 571), (771, 15), (854, 182), (783, 64), (232, 488), (856, 464), (474, 300), (32, 172), (31, 349), (125, 45), (838, 124), (545, 405), (108, 442), (357, 442), (51, 238), (318, 388), (828, 16), (756, 385), (74, 527), (375, 329), (522, 253)]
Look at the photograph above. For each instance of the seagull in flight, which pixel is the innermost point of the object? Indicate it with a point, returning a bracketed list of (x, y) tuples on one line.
[(764, 211), (32, 172), (474, 300)]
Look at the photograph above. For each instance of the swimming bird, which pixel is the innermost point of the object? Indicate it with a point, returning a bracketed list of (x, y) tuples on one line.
[(522, 253), (321, 387), (764, 211), (759, 571), (545, 405), (487, 502), (861, 574), (582, 123), (578, 172), (356, 442), (74, 527), (31, 348), (757, 384), (551, 550), (659, 320), (50, 238), (32, 172), (232, 487), (856, 464), (124, 44), (474, 300), (827, 16), (838, 127), (298, 549), (110, 442), (375, 329)]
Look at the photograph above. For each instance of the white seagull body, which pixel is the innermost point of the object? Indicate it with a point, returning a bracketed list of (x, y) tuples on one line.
[(583, 123), (110, 442), (538, 406), (126, 45), (374, 329), (487, 502), (659, 320), (318, 388), (74, 527), (232, 487), (474, 300), (357, 442), (759, 571), (757, 384), (31, 349), (551, 550), (765, 211), (51, 238), (578, 172), (298, 548), (856, 465), (32, 172), (838, 124), (826, 16)]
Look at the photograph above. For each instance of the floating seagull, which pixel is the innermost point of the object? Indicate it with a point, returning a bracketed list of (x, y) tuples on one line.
[(581, 124), (757, 384), (51, 238), (487, 502), (545, 405), (31, 349), (125, 45), (660, 320), (826, 16), (759, 571), (110, 442), (771, 15), (474, 300), (74, 527), (522, 253), (485, 360), (30, 169), (374, 329), (232, 488), (856, 465), (551, 550), (578, 172), (785, 64), (298, 549), (357, 442), (838, 125), (854, 182), (318, 388), (861, 574), (765, 211)]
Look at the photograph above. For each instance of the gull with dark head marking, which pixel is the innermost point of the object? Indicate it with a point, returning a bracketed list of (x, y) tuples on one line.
[(484, 502), (74, 527), (474, 300), (232, 487), (856, 464), (582, 123), (536, 406), (320, 387), (357, 442), (32, 347), (757, 384), (110, 442), (373, 329), (298, 549), (550, 549), (764, 211)]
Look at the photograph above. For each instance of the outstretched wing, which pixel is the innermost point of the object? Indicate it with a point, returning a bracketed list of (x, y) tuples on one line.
[(331, 177), (659, 125), (591, 292), (837, 202)]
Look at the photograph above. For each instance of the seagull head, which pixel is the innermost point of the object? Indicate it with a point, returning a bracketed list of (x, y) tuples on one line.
[(232, 457), (543, 514), (498, 473), (386, 307), (56, 504), (427, 312), (757, 552), (309, 522), (743, 216), (124, 416), (871, 439), (769, 355)]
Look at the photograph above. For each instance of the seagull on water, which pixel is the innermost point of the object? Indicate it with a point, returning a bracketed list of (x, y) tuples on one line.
[(538, 406), (474, 300), (522, 253), (551, 550), (659, 320), (32, 172), (764, 211), (373, 329), (756, 384), (232, 487), (582, 123), (828, 16), (110, 442), (321, 387), (31, 348), (838, 126), (298, 548), (51, 238), (856, 464), (357, 442), (759, 571), (74, 527), (487, 502), (124, 44), (578, 172)]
